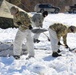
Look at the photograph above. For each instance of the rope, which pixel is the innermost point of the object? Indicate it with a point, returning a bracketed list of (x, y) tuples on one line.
[(25, 7)]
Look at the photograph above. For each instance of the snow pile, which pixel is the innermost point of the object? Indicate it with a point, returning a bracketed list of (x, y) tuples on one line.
[(43, 63)]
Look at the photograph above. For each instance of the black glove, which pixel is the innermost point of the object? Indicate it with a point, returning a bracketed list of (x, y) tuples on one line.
[(19, 23), (30, 27), (66, 46)]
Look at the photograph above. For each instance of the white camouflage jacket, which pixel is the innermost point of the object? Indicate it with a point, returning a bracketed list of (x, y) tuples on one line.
[(37, 19)]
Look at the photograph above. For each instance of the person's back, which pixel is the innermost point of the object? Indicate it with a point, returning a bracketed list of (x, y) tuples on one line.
[(37, 19), (60, 29), (22, 20)]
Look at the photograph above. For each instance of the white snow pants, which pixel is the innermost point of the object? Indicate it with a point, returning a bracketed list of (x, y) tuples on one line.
[(20, 36), (36, 35), (54, 40)]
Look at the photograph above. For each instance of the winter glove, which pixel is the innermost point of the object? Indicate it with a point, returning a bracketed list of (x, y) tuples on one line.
[(66, 46), (30, 27), (19, 23)]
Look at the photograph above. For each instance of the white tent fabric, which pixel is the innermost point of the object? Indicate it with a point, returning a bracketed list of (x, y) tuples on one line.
[(5, 9)]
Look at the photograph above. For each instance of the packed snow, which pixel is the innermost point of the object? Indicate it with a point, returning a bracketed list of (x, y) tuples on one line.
[(43, 63)]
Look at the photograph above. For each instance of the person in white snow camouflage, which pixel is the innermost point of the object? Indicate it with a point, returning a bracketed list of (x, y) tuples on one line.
[(56, 31), (22, 20), (37, 20)]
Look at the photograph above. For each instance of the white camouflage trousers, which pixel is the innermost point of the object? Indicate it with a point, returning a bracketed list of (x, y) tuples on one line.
[(20, 36), (54, 40), (36, 35)]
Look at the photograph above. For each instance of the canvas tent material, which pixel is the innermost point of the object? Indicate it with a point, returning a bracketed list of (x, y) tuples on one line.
[(5, 9), (6, 19)]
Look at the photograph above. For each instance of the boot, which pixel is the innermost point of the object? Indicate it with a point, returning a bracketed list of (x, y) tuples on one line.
[(55, 54), (36, 40), (16, 57), (58, 51), (29, 57)]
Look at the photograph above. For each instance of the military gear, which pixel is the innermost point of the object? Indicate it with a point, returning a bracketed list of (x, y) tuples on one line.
[(17, 45), (59, 43), (38, 20), (21, 19), (61, 31), (30, 27), (58, 51), (36, 40), (29, 57), (54, 40), (19, 23), (66, 46), (55, 54), (16, 57)]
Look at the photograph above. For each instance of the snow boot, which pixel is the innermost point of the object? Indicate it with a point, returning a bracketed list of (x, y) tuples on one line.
[(36, 40), (55, 54), (16, 57), (29, 57), (58, 51)]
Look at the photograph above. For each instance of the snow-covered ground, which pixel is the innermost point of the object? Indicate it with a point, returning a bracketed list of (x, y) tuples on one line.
[(43, 63)]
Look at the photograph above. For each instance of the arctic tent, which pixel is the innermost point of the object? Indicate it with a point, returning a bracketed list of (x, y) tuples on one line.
[(6, 19)]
